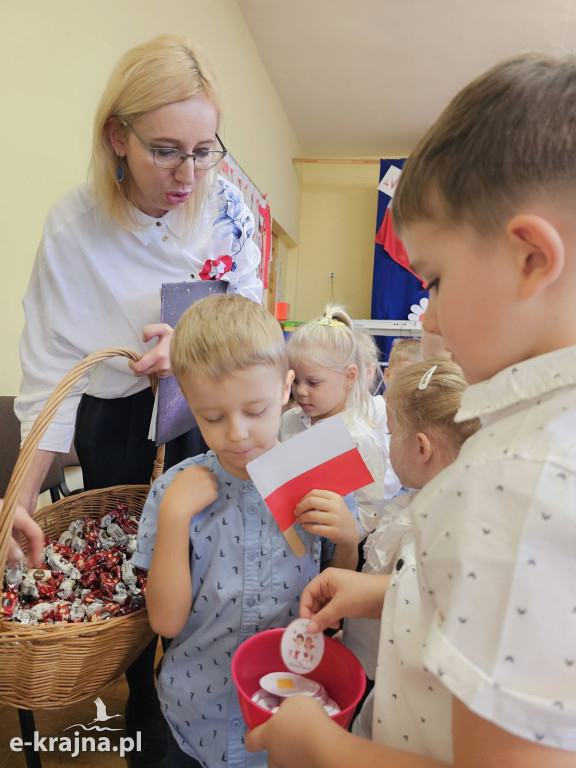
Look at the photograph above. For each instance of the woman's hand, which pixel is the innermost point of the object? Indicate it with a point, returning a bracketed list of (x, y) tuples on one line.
[(324, 513), (158, 359), (25, 529)]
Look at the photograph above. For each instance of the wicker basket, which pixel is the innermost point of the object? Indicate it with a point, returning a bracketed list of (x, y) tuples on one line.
[(52, 666)]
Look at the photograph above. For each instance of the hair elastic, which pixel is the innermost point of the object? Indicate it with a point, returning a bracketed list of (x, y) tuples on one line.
[(329, 321), (425, 380)]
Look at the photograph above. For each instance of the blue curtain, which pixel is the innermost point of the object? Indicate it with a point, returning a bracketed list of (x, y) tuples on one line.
[(394, 288)]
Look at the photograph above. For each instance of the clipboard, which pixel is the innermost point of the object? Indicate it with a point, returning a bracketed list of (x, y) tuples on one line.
[(173, 417)]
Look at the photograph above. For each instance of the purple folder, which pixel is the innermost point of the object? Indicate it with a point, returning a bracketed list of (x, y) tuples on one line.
[(173, 416)]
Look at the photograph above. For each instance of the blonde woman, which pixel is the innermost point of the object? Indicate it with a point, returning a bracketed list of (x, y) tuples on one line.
[(153, 211)]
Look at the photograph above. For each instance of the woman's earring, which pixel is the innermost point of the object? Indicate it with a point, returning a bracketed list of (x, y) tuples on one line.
[(120, 172)]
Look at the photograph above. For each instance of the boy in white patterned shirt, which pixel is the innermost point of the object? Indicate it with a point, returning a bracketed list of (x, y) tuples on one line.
[(486, 207)]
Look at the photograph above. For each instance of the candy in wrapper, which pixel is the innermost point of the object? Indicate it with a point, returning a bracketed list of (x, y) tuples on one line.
[(77, 611), (120, 593), (86, 576), (89, 579), (130, 526), (9, 602), (13, 576), (106, 540), (26, 616), (66, 538), (58, 562), (116, 532), (93, 607), (66, 588), (108, 584)]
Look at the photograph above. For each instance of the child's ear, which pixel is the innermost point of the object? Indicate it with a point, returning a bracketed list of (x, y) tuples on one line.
[(351, 375), (287, 387), (541, 252), (424, 447)]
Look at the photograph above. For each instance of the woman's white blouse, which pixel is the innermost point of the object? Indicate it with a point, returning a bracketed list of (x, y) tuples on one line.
[(95, 284)]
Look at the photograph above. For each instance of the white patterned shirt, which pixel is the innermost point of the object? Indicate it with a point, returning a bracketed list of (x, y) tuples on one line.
[(496, 556)]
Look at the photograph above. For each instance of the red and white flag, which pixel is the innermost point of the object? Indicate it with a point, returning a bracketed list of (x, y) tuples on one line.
[(323, 457)]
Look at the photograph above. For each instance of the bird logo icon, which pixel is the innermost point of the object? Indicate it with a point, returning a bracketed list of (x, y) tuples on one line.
[(101, 714)]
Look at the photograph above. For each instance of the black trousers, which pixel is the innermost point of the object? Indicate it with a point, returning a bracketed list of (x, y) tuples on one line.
[(111, 440)]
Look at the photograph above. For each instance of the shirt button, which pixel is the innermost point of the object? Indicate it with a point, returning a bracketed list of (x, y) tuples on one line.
[(236, 723), (158, 223), (250, 602), (251, 555), (250, 486), (164, 238)]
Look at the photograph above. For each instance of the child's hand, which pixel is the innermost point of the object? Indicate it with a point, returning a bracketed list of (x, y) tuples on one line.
[(292, 734), (337, 594), (324, 513), (191, 491)]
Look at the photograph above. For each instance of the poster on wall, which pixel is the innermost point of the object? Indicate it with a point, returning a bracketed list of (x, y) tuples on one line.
[(397, 292), (256, 201)]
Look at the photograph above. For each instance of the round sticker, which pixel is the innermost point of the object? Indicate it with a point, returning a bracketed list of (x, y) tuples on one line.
[(301, 650), (286, 684)]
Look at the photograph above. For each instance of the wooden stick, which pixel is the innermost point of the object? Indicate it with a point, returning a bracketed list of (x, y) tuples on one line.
[(295, 542)]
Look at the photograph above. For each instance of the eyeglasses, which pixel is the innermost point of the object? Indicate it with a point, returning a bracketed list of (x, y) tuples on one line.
[(170, 157)]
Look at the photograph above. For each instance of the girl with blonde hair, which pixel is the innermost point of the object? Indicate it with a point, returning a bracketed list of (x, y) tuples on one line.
[(422, 401), (331, 378)]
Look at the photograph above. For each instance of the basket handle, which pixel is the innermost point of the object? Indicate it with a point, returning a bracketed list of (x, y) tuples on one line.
[(40, 426)]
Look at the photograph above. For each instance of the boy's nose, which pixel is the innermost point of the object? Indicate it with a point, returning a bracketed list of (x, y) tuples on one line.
[(429, 320), (237, 430), (299, 389)]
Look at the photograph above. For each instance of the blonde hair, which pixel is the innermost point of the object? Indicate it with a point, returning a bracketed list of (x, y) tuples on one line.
[(507, 137), (407, 348), (430, 408), (331, 342), (225, 333), (164, 70), (370, 353)]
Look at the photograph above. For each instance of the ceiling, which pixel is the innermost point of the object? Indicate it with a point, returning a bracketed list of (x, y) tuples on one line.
[(365, 78)]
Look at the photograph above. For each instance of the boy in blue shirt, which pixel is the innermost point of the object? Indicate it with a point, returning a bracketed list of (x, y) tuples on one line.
[(220, 569)]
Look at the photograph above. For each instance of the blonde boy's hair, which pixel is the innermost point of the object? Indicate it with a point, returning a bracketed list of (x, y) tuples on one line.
[(331, 342), (505, 139), (164, 70), (405, 349), (225, 333), (434, 406)]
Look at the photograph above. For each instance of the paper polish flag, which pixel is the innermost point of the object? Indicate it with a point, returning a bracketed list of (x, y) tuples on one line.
[(323, 457)]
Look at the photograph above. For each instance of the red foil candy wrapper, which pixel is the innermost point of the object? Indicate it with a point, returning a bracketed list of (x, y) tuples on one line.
[(87, 575)]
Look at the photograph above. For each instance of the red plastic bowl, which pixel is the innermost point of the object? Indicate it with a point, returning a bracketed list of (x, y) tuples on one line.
[(339, 671)]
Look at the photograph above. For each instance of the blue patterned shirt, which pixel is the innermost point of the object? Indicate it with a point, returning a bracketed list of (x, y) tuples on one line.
[(245, 579)]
